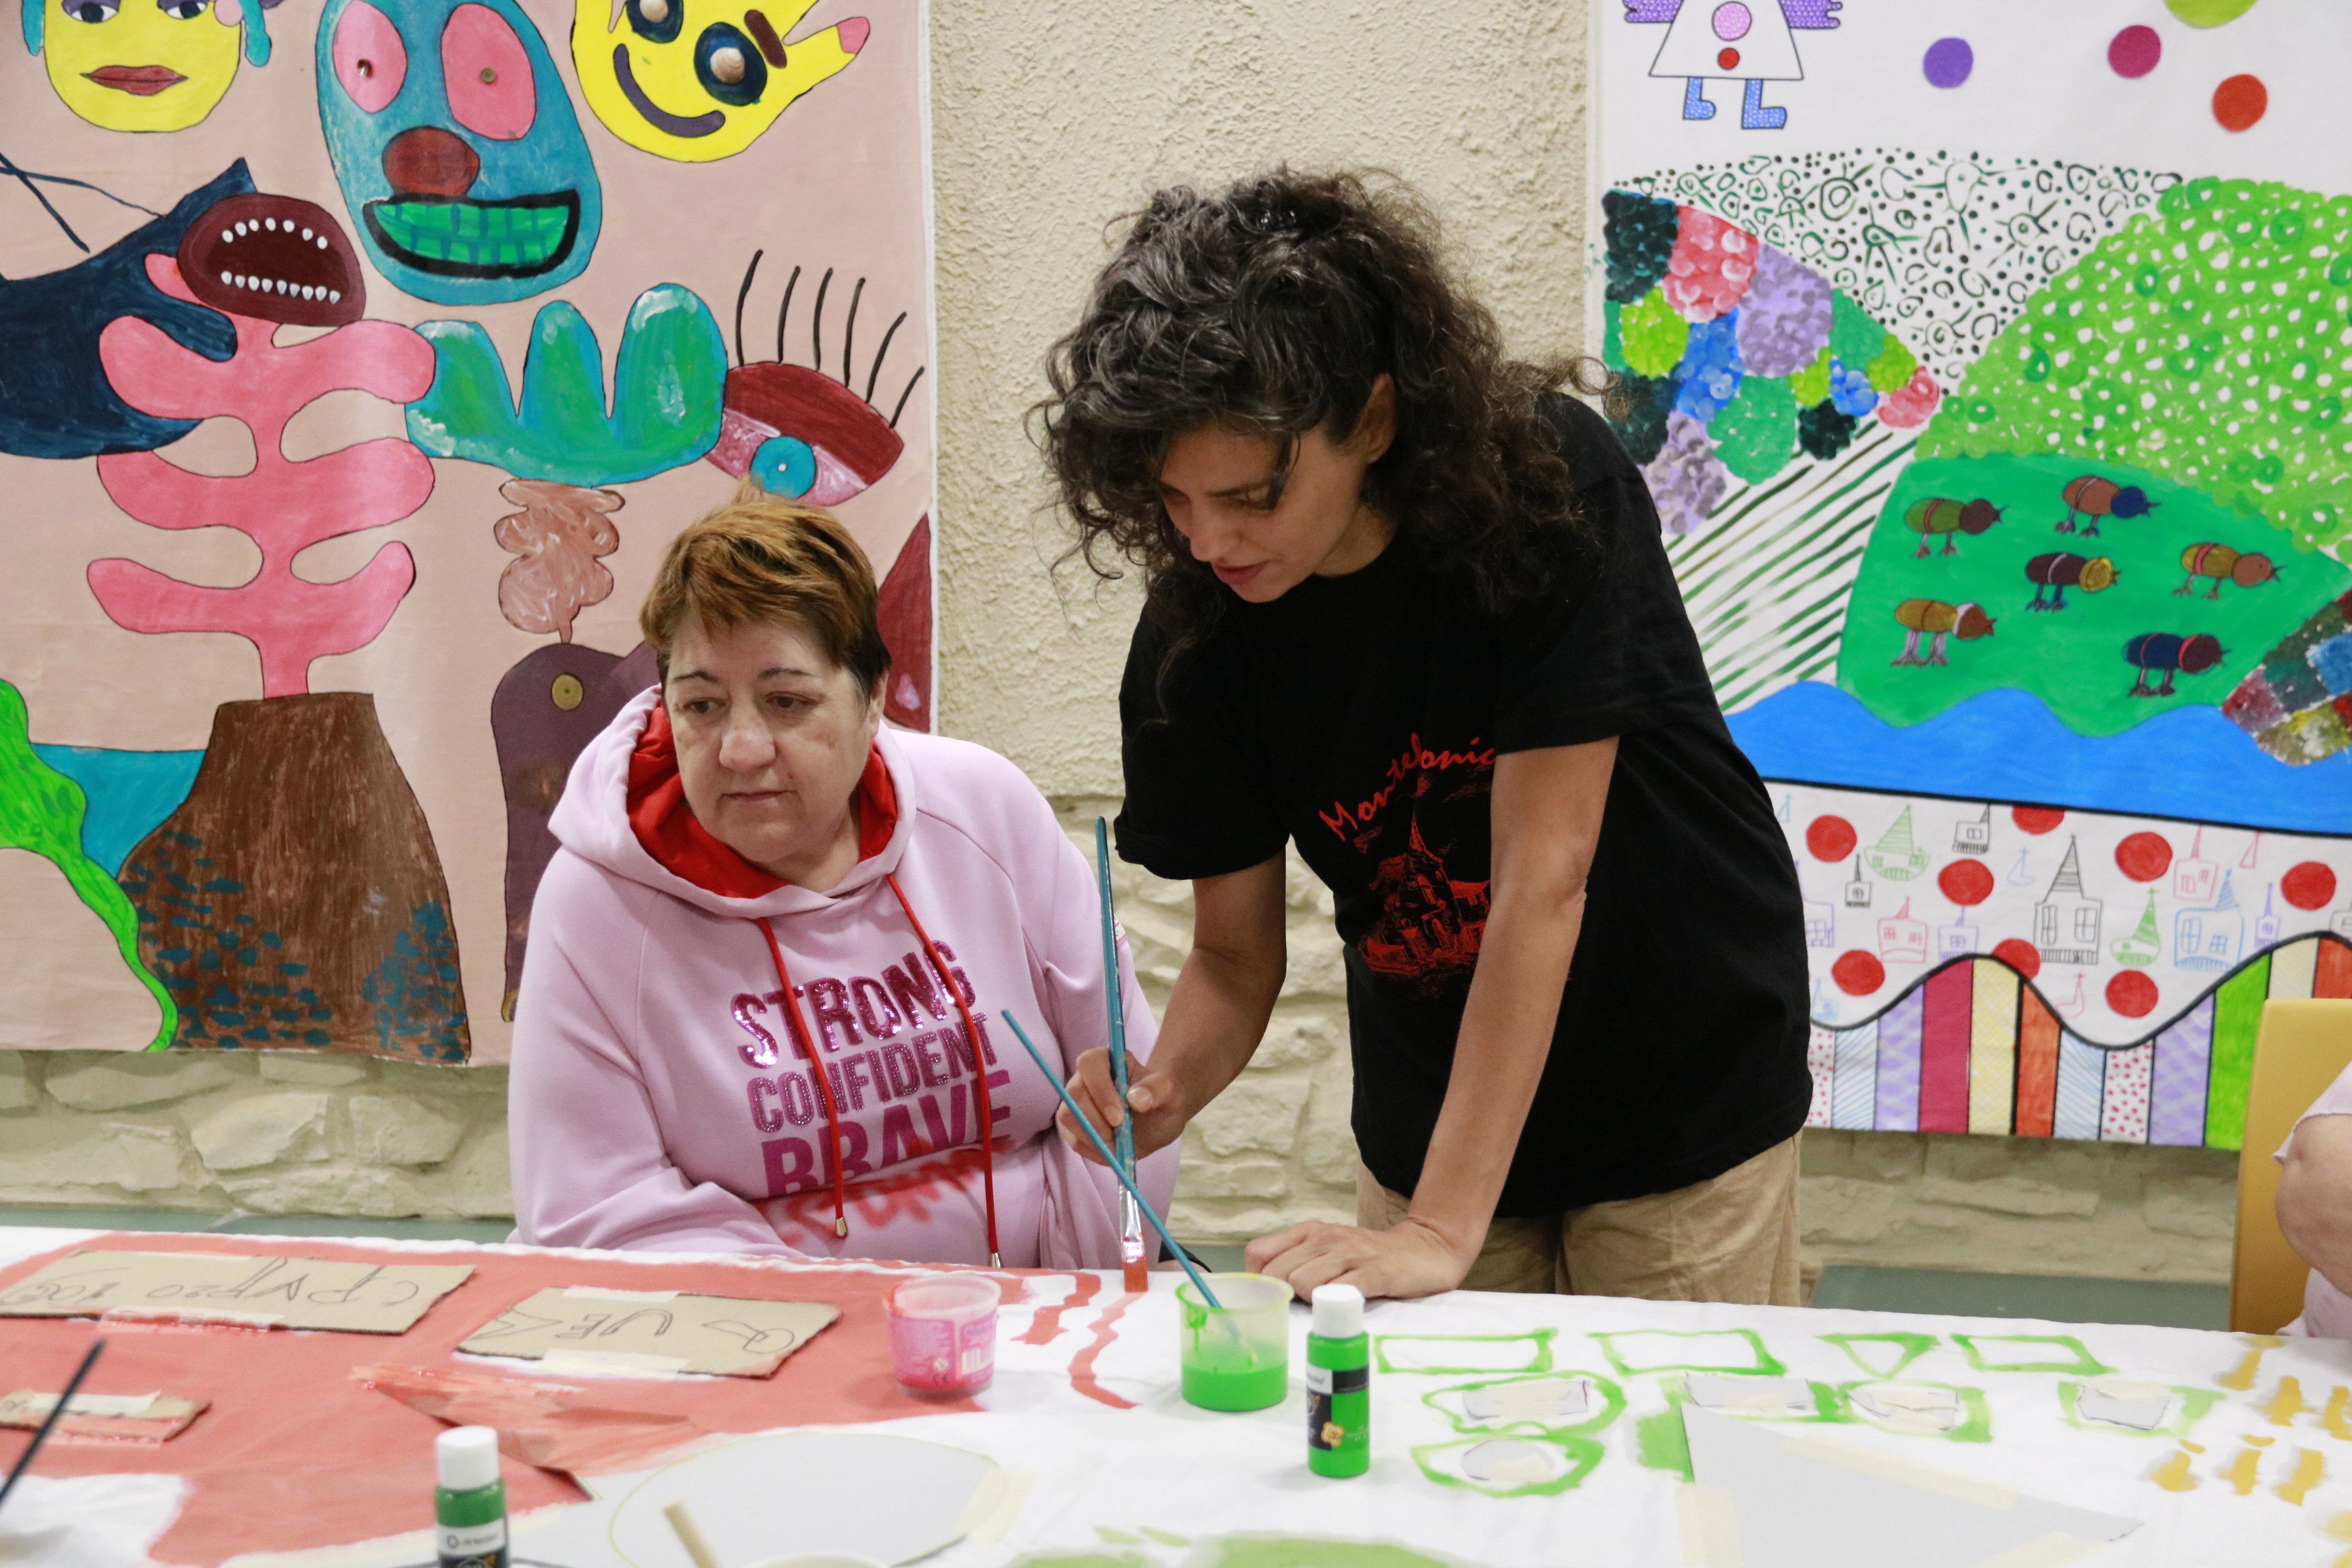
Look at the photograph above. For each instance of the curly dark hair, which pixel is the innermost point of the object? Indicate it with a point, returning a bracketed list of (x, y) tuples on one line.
[(1275, 308)]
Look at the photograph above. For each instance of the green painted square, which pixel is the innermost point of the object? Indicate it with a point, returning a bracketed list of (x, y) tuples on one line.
[(2013, 1353), (1457, 1356), (1736, 1351)]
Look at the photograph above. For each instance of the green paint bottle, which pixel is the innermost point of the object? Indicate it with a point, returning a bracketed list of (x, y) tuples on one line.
[(469, 1506), (1339, 1384)]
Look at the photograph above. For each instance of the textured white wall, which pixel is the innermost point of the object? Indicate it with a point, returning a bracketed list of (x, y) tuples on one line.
[(1052, 117)]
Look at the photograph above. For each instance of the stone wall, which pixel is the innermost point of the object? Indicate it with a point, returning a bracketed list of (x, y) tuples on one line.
[(265, 1132), (295, 1132)]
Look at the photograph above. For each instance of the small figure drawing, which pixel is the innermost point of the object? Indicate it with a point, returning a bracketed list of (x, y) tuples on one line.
[(2061, 572), (1934, 619), (1753, 42), (2095, 498), (2170, 654), (2222, 565), (1941, 517)]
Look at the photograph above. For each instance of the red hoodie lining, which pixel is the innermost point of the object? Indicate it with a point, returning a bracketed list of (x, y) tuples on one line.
[(669, 831)]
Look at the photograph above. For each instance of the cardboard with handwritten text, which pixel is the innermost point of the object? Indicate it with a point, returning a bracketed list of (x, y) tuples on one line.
[(104, 1417), (652, 1333), (266, 1290)]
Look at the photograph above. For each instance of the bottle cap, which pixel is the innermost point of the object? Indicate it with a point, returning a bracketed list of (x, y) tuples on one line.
[(1338, 1311), (467, 1457)]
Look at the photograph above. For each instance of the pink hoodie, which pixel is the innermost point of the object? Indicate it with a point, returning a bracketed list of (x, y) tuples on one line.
[(660, 1096)]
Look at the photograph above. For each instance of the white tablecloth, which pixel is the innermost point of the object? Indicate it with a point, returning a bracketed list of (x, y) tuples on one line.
[(1162, 1485)]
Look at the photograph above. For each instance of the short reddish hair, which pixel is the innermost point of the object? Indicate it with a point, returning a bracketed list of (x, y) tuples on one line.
[(762, 560)]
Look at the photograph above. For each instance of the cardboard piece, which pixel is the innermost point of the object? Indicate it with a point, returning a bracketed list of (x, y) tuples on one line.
[(1910, 1406), (2122, 1402), (107, 1418), (651, 1333), (1532, 1399), (1750, 1395), (1809, 1501), (264, 1290), (1510, 1462)]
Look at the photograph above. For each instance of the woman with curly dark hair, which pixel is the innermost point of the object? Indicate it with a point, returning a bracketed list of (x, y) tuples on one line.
[(1408, 607)]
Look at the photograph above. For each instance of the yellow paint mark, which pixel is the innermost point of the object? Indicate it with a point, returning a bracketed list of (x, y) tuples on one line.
[(2242, 1472), (2339, 1526), (2173, 1474), (2286, 1404), (2333, 1419), (2242, 1378), (2261, 1442), (2310, 1469)]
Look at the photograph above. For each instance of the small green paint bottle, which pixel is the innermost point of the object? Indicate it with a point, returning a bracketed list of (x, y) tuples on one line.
[(469, 1506), (1339, 1384)]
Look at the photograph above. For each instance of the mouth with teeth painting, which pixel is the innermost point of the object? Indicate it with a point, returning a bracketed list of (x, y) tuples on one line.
[(279, 259), (456, 236)]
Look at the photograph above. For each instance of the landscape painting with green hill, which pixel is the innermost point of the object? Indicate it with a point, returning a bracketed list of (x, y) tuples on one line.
[(2064, 641)]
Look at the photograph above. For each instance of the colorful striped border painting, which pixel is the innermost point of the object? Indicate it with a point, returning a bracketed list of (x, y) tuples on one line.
[(1972, 1049)]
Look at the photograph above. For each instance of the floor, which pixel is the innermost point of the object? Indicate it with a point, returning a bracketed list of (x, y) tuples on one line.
[(2056, 1298)]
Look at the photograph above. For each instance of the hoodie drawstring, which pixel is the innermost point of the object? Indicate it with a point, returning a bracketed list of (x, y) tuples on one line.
[(799, 1029), (979, 1067)]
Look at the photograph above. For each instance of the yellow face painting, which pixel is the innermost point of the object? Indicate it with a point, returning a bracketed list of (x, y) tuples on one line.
[(143, 65), (699, 79)]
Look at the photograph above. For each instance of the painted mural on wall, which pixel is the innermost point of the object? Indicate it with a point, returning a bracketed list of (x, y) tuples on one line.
[(1993, 400), (343, 418)]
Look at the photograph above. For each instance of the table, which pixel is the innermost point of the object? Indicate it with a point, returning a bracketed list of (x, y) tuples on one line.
[(1102, 1464)]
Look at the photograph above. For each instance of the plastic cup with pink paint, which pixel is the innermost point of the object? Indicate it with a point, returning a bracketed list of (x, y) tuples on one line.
[(943, 1334)]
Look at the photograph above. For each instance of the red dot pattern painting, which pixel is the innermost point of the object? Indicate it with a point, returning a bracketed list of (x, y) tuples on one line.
[(2241, 101), (1966, 882), (1831, 837), (1858, 974), (2036, 820), (2310, 885), (2135, 51), (2143, 857), (2021, 955), (2132, 994)]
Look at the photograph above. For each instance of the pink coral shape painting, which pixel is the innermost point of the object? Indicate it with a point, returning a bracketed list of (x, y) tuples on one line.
[(284, 506)]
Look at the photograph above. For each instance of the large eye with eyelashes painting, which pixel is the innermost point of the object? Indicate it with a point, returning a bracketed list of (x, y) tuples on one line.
[(728, 66), (656, 21)]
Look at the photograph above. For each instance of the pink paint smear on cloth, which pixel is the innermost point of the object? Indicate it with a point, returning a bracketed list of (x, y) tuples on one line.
[(320, 1439)]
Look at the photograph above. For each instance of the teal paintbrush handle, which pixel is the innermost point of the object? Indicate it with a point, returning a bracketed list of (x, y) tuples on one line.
[(1116, 1002), (1125, 1181)]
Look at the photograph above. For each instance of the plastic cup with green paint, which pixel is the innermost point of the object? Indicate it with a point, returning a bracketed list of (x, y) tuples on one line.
[(1243, 1363)]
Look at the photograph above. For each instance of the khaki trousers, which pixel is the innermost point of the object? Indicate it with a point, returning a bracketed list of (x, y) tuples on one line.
[(1733, 1239)]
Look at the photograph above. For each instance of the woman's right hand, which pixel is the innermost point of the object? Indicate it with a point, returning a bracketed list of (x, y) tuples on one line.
[(1154, 1100)]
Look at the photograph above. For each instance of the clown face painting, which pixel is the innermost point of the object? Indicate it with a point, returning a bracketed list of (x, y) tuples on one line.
[(144, 65), (702, 80), (467, 177)]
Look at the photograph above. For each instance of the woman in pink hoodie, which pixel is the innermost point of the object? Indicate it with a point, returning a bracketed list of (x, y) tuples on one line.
[(756, 877)]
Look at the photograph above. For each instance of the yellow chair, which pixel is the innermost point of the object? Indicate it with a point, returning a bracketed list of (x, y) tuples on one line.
[(2302, 1047)]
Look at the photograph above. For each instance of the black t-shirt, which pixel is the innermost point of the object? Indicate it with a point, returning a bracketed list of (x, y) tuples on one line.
[(1360, 716)]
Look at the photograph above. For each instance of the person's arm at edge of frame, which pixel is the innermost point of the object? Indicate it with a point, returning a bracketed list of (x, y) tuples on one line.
[(2314, 1197), (1547, 812), (1215, 1016)]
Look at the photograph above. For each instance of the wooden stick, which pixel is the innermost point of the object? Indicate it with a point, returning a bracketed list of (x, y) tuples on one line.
[(689, 1535)]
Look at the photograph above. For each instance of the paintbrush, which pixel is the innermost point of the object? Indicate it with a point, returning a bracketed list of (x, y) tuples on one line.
[(1103, 1148), (57, 1411), (1131, 1231)]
